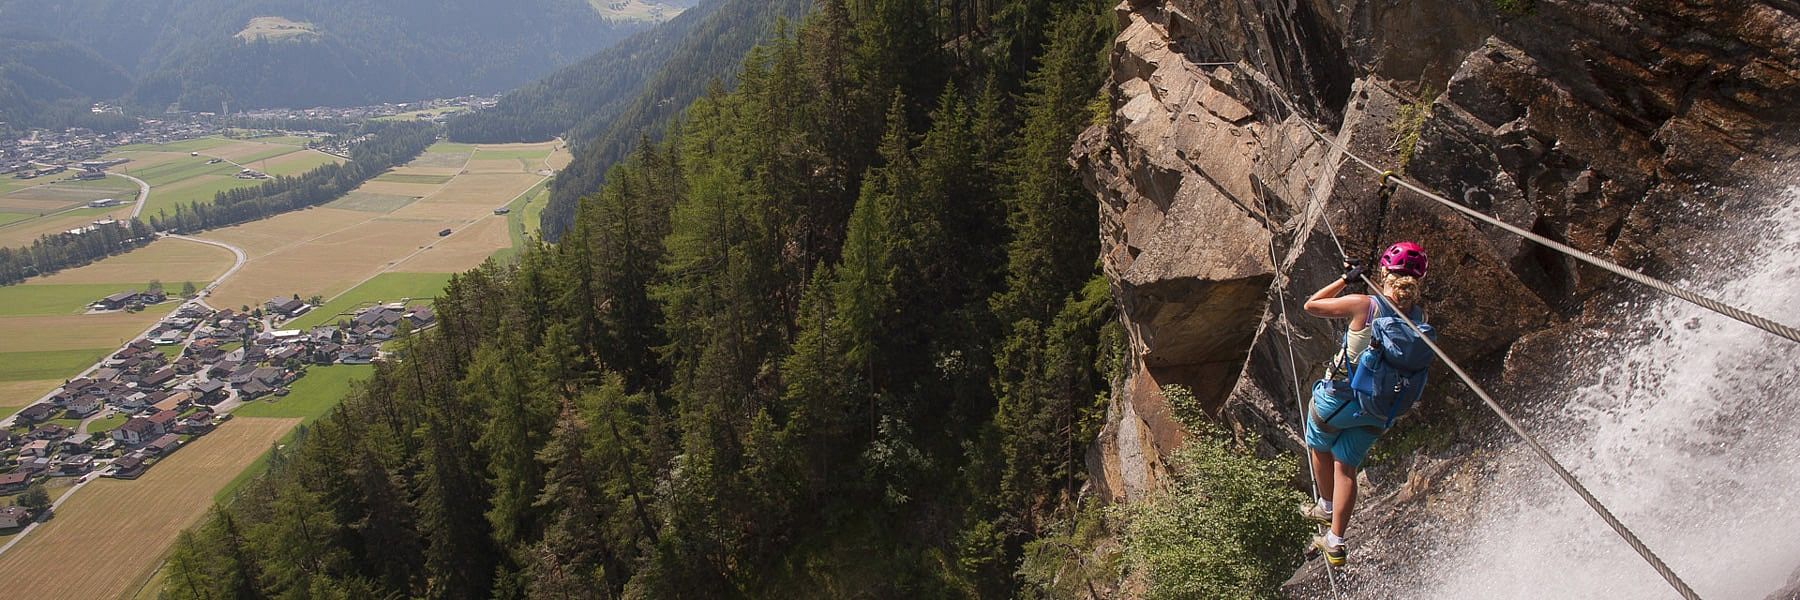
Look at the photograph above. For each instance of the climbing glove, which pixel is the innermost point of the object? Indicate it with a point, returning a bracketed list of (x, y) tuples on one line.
[(1353, 271)]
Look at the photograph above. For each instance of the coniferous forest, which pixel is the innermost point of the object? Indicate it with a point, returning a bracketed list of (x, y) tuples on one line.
[(840, 334)]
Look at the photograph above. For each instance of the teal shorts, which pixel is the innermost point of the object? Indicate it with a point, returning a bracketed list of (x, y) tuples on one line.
[(1355, 433)]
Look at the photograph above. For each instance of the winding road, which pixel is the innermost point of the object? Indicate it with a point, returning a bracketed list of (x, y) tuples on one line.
[(143, 193)]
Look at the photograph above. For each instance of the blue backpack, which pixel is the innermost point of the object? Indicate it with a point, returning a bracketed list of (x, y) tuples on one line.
[(1390, 376)]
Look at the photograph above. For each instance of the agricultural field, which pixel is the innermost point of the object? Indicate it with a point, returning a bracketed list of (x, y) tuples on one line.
[(178, 179), (55, 299), (81, 554), (45, 365), (50, 206), (311, 396), (440, 160), (414, 178), (183, 146), (171, 261), (298, 162), (384, 226), (371, 202), (383, 288), (522, 220)]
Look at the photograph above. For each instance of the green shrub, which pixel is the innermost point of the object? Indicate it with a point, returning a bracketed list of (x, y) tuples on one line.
[(1100, 109), (1073, 565), (1185, 408), (1225, 527), (1409, 121), (1515, 7)]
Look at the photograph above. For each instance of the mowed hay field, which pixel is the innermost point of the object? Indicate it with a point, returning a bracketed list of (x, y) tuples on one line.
[(177, 179), (24, 232), (169, 260), (111, 534), (49, 206), (326, 251)]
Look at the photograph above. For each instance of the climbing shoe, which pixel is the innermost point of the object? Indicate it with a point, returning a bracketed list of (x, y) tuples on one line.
[(1334, 555), (1316, 513)]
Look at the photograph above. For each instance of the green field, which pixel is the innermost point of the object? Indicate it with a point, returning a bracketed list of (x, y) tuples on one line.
[(386, 287), (532, 155), (60, 299), (312, 160), (111, 183), (310, 397), (12, 217), (193, 145), (523, 219), (371, 202), (9, 184), (451, 147), (414, 178), (276, 151), (177, 170), (58, 364), (166, 200)]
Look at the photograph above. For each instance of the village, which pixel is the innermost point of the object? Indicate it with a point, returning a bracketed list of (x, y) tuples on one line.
[(175, 383), (43, 153)]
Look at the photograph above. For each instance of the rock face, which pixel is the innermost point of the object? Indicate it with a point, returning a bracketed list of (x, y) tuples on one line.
[(1609, 125)]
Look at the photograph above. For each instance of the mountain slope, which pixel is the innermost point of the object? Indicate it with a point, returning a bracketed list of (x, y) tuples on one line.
[(269, 53), (604, 105), (44, 80)]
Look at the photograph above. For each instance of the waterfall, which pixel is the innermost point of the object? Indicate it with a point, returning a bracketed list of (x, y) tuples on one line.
[(1683, 422)]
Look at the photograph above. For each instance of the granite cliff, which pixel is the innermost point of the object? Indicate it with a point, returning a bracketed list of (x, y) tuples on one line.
[(1620, 127)]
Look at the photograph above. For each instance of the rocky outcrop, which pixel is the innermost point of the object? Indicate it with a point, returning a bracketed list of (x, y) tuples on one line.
[(1608, 125)]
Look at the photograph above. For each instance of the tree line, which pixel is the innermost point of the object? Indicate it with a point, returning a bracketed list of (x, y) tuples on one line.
[(841, 333), (57, 251), (380, 146)]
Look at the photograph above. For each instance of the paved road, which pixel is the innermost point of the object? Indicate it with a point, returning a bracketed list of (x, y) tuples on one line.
[(235, 251), (143, 194)]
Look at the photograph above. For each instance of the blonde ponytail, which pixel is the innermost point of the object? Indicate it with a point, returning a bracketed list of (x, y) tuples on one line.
[(1404, 291)]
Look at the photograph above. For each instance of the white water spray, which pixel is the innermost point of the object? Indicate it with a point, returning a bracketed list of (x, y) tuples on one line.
[(1685, 423)]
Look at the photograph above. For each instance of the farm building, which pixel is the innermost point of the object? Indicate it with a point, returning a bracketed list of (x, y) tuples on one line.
[(284, 306)]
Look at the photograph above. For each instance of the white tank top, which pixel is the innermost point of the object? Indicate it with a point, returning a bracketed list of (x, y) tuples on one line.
[(1357, 340)]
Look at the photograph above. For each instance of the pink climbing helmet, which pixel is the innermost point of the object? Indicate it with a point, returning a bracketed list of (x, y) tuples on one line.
[(1405, 258)]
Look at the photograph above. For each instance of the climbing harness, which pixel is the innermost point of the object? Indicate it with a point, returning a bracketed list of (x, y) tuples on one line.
[(1681, 587)]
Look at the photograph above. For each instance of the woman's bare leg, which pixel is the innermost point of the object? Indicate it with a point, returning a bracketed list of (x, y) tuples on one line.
[(1322, 470), (1343, 497)]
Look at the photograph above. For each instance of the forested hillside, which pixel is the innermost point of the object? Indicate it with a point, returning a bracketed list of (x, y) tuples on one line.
[(203, 54), (840, 335), (44, 80), (607, 104)]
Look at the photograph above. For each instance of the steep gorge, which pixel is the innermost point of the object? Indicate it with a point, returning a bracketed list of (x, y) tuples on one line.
[(1628, 129)]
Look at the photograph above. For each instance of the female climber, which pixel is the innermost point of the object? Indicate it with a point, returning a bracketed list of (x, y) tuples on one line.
[(1374, 378)]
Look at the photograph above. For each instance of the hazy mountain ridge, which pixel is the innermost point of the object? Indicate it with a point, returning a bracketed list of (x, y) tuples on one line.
[(190, 53), (607, 103)]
